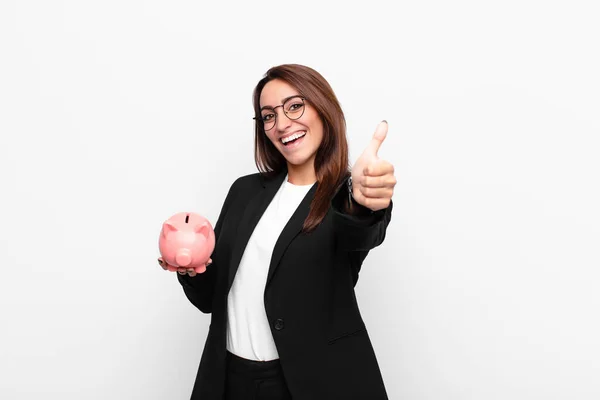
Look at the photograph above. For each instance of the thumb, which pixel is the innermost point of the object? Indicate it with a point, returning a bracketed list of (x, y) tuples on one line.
[(378, 138)]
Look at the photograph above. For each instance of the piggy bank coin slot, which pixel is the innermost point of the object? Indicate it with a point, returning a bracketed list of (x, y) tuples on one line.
[(187, 218)]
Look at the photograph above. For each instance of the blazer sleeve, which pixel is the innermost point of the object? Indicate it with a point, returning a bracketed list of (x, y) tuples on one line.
[(358, 232), (200, 289)]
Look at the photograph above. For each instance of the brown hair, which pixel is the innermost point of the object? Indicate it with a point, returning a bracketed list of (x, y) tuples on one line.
[(331, 160)]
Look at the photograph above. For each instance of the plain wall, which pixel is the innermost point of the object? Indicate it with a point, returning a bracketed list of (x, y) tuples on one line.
[(115, 115)]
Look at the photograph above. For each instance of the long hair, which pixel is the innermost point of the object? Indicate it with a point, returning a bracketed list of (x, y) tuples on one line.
[(331, 160)]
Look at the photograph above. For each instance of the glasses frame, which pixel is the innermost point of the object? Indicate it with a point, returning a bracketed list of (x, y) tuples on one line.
[(259, 119)]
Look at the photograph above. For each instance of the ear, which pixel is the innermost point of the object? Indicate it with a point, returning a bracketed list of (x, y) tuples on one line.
[(201, 229), (168, 228)]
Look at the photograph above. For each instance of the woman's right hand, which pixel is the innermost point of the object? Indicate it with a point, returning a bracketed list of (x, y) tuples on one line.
[(180, 270)]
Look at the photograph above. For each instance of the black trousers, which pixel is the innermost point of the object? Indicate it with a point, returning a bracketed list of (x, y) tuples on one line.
[(254, 380)]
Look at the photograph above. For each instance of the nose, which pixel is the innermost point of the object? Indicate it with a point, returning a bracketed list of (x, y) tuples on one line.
[(282, 121)]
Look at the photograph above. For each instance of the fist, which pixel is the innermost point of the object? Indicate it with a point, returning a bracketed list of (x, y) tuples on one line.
[(373, 179)]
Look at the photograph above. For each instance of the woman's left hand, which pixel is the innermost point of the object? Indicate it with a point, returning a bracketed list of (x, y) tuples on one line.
[(373, 179)]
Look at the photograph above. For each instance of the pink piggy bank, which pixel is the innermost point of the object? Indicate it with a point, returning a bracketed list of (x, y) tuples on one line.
[(187, 240)]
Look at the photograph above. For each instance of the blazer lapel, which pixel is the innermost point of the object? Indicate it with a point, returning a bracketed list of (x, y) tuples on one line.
[(255, 208), (290, 231)]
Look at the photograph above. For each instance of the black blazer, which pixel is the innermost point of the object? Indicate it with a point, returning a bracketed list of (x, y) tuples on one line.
[(323, 345)]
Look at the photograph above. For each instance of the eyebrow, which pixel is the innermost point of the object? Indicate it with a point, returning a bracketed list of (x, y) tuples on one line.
[(282, 101)]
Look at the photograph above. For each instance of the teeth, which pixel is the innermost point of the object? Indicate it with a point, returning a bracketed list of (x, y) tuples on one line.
[(294, 136)]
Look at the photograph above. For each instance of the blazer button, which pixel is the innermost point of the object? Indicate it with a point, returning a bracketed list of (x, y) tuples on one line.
[(279, 324)]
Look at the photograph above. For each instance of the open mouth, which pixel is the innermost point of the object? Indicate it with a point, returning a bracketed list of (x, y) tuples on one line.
[(292, 139)]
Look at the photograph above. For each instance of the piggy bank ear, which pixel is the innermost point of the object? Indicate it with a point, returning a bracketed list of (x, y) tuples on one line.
[(202, 229), (168, 228)]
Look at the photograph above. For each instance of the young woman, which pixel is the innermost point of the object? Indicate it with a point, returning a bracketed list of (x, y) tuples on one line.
[(290, 242)]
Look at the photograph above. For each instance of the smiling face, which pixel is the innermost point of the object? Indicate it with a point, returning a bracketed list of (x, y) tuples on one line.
[(307, 130)]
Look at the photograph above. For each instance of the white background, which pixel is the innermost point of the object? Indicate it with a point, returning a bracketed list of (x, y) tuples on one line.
[(115, 115)]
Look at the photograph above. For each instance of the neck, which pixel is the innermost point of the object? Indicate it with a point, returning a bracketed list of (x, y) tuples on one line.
[(301, 174)]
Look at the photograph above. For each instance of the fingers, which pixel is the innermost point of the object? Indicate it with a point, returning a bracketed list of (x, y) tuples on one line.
[(162, 263), (381, 181), (190, 271), (183, 270), (376, 193), (378, 168), (384, 181), (375, 188)]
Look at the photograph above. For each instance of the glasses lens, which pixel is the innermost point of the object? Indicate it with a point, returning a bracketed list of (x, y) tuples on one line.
[(294, 107), (268, 119)]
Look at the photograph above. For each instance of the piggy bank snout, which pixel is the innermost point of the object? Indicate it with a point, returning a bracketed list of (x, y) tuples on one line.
[(183, 258)]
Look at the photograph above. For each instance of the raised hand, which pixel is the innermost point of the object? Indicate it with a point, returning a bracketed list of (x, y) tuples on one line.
[(373, 179)]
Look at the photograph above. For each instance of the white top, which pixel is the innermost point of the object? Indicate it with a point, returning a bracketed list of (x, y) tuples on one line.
[(248, 330)]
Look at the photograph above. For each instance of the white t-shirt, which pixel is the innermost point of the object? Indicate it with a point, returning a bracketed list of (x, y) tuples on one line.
[(248, 330)]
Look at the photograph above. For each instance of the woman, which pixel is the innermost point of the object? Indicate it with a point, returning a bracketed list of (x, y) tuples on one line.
[(290, 242)]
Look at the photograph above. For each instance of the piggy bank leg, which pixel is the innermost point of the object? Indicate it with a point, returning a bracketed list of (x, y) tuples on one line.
[(200, 269)]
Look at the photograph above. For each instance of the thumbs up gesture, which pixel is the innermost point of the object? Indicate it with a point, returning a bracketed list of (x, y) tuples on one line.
[(373, 179)]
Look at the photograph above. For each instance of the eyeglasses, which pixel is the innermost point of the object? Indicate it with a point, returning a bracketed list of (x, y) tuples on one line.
[(293, 108)]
